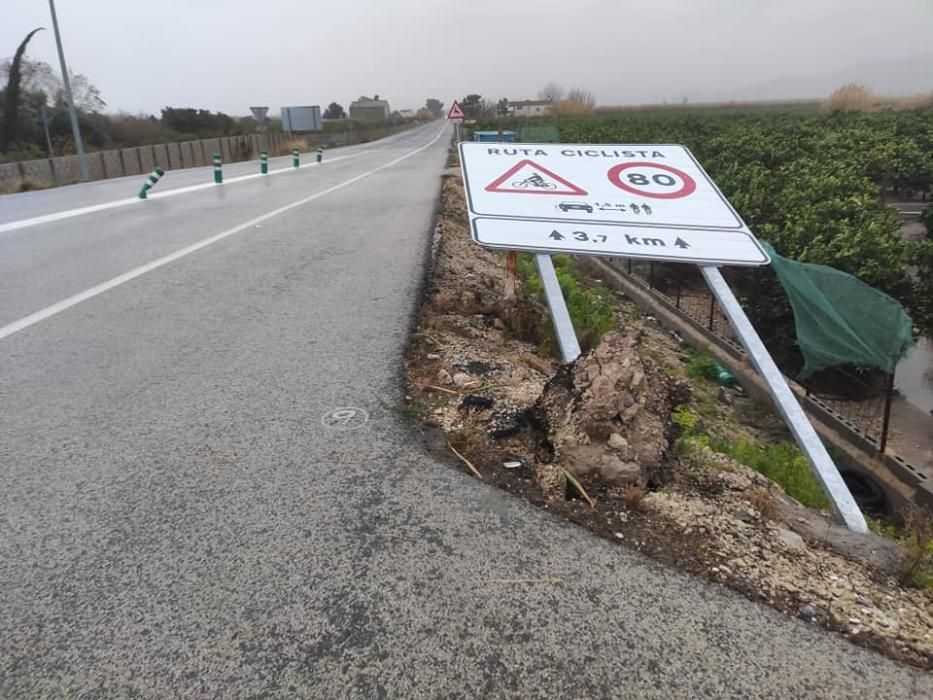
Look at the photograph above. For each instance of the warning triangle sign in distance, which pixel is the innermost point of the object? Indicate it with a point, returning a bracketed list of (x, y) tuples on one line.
[(527, 177), (455, 111)]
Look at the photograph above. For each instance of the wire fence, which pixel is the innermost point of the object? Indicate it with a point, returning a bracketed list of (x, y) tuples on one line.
[(861, 399)]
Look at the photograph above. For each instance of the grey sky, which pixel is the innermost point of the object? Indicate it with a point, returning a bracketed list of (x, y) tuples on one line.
[(229, 54)]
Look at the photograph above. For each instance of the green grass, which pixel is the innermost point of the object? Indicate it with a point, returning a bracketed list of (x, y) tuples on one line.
[(782, 462)]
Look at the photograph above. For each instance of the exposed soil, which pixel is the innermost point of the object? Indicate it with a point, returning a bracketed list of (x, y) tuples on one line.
[(479, 384)]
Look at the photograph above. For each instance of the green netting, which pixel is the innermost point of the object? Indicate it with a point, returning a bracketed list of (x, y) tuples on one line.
[(841, 320), (538, 134)]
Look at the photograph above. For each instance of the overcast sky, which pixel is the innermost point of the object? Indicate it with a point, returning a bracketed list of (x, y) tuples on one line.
[(230, 54)]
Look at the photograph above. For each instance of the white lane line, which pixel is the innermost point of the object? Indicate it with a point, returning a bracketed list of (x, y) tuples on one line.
[(57, 308), (69, 213)]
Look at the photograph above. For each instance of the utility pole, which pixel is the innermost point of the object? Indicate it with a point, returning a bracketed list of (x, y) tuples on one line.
[(66, 82)]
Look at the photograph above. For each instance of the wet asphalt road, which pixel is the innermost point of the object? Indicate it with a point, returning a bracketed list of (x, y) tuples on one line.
[(177, 521)]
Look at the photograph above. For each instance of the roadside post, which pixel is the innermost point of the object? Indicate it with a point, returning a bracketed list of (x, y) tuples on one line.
[(150, 182), (642, 201), (295, 157), (264, 162), (320, 154), (218, 168)]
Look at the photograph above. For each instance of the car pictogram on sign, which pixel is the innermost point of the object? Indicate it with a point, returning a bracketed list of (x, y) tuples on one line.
[(575, 206)]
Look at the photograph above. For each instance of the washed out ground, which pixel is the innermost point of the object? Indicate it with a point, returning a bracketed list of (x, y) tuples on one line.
[(651, 471)]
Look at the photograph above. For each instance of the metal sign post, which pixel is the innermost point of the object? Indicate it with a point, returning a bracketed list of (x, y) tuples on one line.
[(259, 113), (807, 439), (560, 316), (650, 201)]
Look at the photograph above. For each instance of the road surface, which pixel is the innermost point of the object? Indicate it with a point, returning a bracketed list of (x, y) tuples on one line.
[(179, 522)]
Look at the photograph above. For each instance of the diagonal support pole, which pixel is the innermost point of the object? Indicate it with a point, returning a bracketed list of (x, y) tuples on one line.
[(807, 439), (560, 316)]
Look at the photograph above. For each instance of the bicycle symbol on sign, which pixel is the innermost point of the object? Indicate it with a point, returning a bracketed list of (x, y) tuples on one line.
[(535, 180)]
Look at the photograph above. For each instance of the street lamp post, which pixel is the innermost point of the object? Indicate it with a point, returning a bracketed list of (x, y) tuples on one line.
[(66, 82)]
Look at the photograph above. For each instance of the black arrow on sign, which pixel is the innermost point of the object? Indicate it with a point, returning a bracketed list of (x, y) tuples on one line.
[(681, 243), (556, 236)]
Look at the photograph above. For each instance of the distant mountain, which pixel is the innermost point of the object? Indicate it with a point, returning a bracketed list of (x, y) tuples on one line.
[(893, 78)]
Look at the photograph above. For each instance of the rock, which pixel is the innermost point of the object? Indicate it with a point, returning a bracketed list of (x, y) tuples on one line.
[(744, 516), (499, 324), (433, 356), (443, 377), (615, 471), (630, 412), (462, 379), (725, 396), (581, 405), (790, 539), (512, 464), (637, 377), (807, 611), (474, 402), (505, 422)]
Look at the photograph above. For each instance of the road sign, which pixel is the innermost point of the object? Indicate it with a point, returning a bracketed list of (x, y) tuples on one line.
[(455, 113), (649, 201), (527, 177), (259, 113)]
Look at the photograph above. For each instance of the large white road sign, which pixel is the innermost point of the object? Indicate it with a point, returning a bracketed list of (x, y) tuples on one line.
[(651, 201)]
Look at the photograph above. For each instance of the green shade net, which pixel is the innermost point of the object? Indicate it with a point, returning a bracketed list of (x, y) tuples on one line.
[(841, 320), (537, 134)]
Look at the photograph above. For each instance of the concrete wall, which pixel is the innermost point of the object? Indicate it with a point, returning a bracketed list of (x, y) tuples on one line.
[(64, 170)]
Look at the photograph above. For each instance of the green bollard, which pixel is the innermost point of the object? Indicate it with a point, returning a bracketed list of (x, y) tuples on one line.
[(264, 162), (153, 178), (320, 154), (218, 169), (295, 157)]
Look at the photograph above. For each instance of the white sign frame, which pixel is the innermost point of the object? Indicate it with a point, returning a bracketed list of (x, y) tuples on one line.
[(576, 194)]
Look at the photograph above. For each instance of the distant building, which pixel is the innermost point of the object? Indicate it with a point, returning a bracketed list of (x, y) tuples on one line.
[(406, 113), (370, 109), (529, 108)]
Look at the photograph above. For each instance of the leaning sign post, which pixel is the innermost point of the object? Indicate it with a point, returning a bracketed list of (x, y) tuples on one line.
[(650, 201)]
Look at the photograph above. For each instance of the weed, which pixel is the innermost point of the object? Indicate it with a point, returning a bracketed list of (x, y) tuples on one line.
[(783, 463), (916, 537), (701, 365), (765, 501), (414, 410)]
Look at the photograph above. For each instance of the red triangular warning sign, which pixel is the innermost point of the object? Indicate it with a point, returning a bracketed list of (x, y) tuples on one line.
[(455, 112), (527, 177)]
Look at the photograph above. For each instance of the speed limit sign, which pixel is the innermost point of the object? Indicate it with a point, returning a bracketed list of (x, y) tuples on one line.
[(654, 180)]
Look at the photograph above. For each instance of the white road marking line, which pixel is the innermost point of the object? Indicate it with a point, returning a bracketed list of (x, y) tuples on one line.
[(76, 299), (69, 213)]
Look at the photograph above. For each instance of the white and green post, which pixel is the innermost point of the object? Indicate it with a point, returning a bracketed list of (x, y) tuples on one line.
[(295, 157), (218, 169), (320, 154), (264, 162), (150, 182)]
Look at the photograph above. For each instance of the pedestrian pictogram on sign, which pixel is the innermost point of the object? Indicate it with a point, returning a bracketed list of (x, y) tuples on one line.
[(527, 177), (455, 113), (654, 180)]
